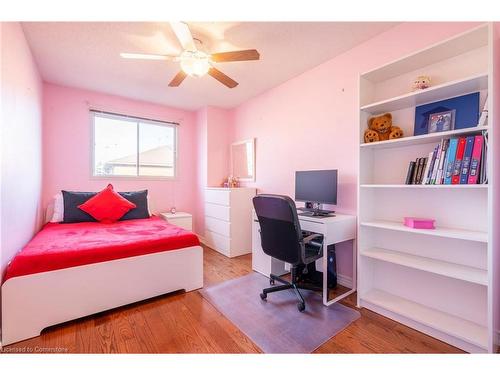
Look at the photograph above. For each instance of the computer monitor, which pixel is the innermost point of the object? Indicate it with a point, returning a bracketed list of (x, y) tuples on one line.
[(316, 187)]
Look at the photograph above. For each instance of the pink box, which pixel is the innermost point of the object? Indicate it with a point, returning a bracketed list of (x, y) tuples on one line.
[(419, 223)]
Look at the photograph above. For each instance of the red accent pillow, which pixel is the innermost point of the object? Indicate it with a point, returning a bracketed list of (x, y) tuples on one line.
[(107, 206)]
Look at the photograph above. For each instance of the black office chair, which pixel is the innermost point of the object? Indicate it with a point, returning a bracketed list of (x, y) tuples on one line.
[(282, 238)]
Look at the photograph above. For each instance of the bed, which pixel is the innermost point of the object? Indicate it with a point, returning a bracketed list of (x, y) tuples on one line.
[(68, 271)]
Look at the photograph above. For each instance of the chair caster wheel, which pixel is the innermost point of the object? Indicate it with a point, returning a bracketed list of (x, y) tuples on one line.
[(271, 282), (301, 306), (263, 296)]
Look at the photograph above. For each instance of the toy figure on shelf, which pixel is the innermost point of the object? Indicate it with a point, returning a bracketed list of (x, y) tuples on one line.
[(231, 182), (421, 83)]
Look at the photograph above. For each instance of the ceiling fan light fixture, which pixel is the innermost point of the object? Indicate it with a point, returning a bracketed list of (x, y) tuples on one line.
[(195, 63)]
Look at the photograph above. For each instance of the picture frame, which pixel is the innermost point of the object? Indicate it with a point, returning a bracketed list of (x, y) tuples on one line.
[(466, 115), (441, 121)]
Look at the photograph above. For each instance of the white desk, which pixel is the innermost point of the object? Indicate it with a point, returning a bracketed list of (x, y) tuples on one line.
[(335, 229)]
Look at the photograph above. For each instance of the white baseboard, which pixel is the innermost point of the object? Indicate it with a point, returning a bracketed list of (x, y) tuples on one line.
[(344, 280)]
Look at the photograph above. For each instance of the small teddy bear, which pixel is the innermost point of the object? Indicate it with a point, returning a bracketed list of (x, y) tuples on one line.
[(421, 82), (380, 128)]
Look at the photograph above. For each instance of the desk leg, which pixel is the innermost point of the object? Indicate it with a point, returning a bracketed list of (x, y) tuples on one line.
[(354, 265), (325, 275), (325, 280)]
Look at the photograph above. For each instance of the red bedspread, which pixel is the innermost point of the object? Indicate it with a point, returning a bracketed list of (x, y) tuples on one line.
[(59, 246)]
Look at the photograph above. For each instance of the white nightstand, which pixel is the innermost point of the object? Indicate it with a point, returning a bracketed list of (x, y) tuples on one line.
[(181, 219)]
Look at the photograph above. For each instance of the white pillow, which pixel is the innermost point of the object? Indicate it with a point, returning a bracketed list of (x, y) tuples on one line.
[(58, 214), (150, 207)]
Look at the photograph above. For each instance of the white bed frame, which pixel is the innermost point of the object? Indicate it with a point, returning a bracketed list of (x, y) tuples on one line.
[(33, 302)]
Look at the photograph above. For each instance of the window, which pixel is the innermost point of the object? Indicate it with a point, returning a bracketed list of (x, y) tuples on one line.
[(126, 146)]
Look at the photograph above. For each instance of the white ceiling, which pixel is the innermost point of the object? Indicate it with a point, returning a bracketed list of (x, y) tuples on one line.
[(86, 55)]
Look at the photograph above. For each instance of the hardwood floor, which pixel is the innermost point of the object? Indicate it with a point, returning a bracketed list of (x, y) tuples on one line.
[(186, 323)]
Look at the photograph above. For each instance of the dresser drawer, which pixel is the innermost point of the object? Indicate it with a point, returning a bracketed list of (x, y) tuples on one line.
[(217, 211), (218, 197), (218, 226), (218, 242)]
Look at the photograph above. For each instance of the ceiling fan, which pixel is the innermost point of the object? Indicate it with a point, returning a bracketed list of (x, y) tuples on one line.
[(194, 62)]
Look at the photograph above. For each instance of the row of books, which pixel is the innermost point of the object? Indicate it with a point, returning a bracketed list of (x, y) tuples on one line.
[(453, 161)]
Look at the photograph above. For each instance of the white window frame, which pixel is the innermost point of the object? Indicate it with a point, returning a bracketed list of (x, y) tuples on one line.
[(137, 120)]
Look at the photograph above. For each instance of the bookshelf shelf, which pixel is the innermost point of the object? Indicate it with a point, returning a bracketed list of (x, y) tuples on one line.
[(444, 50), (402, 186), (422, 139), (441, 281), (440, 321), (446, 90), (462, 234), (439, 267)]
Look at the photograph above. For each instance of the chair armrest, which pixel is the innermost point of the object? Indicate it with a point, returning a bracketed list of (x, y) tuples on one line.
[(311, 237), (313, 241)]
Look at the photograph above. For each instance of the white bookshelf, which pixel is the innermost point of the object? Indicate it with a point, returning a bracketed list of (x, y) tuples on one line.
[(451, 89), (423, 139), (448, 327), (461, 234), (438, 281), (439, 267), (400, 186)]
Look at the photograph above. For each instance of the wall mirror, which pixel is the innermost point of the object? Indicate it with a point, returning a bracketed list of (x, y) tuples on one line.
[(243, 160)]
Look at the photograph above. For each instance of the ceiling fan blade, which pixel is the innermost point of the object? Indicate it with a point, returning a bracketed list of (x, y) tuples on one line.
[(222, 78), (177, 80), (245, 55), (182, 32), (146, 56)]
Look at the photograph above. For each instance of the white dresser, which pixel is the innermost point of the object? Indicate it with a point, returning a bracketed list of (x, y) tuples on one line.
[(228, 218)]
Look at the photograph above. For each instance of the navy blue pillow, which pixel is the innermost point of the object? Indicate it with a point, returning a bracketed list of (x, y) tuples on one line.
[(140, 199), (71, 200)]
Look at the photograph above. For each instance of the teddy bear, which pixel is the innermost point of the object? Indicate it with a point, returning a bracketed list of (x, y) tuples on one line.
[(380, 128)]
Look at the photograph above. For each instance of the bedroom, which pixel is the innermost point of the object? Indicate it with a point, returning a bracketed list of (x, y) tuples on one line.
[(133, 149)]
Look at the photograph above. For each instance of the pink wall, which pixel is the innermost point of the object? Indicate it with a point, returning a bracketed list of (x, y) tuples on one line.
[(219, 135), (311, 121), (67, 137), (201, 166), (21, 143), (214, 133)]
